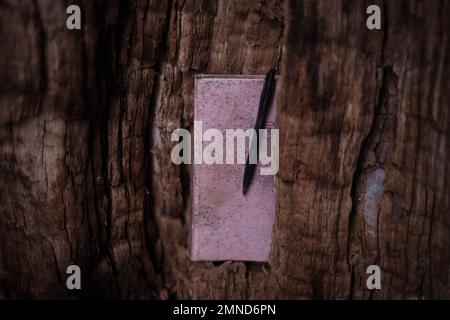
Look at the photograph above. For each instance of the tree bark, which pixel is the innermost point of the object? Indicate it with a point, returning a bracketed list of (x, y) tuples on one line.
[(86, 118), (364, 119), (85, 170)]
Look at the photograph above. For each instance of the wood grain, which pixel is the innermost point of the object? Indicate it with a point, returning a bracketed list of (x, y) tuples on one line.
[(364, 124), (85, 124)]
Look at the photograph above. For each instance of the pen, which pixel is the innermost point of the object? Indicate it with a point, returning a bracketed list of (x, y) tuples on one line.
[(265, 101)]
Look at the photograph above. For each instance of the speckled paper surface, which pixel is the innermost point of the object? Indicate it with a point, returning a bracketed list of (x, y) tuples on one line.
[(226, 225)]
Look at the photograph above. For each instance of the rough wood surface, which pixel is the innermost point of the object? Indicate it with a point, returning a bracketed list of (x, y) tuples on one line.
[(85, 124), (365, 143)]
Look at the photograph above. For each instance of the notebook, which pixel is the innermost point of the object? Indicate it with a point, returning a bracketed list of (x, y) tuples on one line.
[(226, 225)]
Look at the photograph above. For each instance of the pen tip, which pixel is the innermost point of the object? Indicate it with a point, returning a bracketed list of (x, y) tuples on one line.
[(244, 190)]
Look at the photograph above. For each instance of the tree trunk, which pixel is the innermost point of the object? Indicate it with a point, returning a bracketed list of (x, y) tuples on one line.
[(86, 118), (364, 180), (85, 170)]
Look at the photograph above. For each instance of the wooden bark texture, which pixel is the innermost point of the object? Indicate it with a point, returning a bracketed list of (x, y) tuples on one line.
[(364, 180), (85, 124), (85, 169)]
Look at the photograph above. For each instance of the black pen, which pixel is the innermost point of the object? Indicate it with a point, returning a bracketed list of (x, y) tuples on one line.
[(265, 101)]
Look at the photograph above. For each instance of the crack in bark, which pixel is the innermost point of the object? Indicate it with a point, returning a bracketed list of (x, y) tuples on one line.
[(43, 57), (363, 165)]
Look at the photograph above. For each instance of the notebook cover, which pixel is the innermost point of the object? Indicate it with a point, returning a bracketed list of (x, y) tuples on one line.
[(226, 225)]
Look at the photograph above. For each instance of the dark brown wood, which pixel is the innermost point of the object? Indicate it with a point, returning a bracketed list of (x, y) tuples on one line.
[(364, 180), (85, 124)]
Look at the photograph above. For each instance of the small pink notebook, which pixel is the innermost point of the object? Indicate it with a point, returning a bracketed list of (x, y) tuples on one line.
[(226, 225)]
